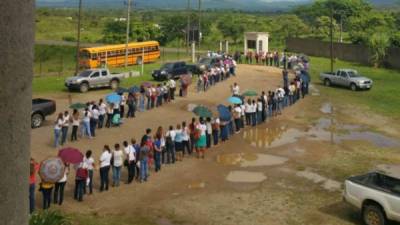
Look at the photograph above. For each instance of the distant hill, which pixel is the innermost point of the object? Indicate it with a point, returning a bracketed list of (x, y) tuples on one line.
[(245, 5)]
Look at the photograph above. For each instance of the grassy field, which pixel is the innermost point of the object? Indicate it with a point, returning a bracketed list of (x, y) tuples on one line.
[(383, 98)]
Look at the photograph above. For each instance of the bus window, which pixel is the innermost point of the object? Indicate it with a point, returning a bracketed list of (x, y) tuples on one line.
[(93, 56), (84, 55)]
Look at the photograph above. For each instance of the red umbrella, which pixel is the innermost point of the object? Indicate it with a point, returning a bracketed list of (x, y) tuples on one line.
[(71, 155), (52, 169)]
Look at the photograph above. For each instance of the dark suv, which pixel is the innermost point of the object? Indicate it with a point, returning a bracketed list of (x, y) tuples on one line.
[(171, 70)]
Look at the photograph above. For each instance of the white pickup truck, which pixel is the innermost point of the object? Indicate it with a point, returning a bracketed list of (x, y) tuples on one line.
[(94, 78), (375, 194), (346, 78)]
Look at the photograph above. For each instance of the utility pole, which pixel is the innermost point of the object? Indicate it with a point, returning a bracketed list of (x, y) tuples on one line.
[(188, 27), (78, 41), (331, 34), (128, 18), (341, 29), (199, 28)]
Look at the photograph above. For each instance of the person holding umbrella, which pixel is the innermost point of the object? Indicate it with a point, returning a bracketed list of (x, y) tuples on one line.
[(46, 188), (60, 185)]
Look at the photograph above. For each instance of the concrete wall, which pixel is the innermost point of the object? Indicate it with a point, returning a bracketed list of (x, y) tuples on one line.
[(16, 70), (348, 52)]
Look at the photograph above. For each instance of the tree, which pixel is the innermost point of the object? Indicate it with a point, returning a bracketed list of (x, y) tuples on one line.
[(115, 32), (378, 45), (323, 27), (173, 27), (232, 28)]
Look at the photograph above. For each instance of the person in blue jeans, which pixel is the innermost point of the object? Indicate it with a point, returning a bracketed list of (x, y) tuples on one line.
[(157, 153), (144, 152), (64, 127), (57, 130), (80, 182), (118, 160)]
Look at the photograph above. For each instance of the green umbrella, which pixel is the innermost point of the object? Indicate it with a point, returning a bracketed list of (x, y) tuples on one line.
[(202, 111), (250, 93), (77, 105)]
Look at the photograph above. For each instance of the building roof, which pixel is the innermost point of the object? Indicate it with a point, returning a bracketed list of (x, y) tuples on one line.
[(256, 33)]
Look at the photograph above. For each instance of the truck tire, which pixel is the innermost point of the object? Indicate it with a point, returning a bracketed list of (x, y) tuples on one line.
[(353, 87), (373, 215), (327, 82), (114, 84), (36, 120), (84, 87)]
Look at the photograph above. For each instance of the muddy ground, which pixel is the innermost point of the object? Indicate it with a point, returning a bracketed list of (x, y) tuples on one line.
[(287, 171)]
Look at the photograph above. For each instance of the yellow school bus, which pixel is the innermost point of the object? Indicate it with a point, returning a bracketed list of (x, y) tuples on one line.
[(114, 55)]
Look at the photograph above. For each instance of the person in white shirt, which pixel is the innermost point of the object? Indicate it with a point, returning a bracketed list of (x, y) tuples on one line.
[(118, 160), (235, 90), (93, 120), (57, 129), (59, 187), (208, 132), (90, 165), (215, 130), (130, 161), (237, 115), (170, 144), (253, 113), (259, 110), (247, 111), (86, 123), (122, 106), (172, 88), (64, 127), (75, 125), (105, 161), (102, 112), (186, 139), (201, 142)]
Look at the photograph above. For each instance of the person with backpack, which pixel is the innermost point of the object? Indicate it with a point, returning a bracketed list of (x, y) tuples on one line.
[(80, 181)]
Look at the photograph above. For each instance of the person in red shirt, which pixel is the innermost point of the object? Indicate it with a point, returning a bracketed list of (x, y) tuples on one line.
[(34, 168)]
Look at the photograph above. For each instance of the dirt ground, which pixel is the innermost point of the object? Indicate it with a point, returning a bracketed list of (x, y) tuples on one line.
[(287, 171)]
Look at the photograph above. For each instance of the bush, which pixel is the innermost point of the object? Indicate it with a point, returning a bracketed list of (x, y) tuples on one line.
[(69, 38), (48, 217)]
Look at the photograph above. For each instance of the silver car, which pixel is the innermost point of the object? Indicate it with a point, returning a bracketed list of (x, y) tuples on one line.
[(346, 78)]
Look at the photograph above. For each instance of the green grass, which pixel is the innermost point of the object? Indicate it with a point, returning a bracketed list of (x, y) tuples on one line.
[(383, 98)]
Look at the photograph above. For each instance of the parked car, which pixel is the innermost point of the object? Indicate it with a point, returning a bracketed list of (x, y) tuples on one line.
[(40, 109), (207, 63), (375, 194), (346, 78), (171, 70), (93, 78)]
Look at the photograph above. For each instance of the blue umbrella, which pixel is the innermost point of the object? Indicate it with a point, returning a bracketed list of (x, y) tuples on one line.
[(134, 89), (113, 98), (235, 100), (224, 113)]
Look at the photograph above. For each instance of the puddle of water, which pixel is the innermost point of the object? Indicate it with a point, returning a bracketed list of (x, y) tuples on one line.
[(326, 108), (326, 183), (197, 185), (250, 160), (324, 129), (245, 177)]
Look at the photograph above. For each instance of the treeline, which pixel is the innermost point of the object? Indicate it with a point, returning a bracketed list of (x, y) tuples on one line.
[(354, 21)]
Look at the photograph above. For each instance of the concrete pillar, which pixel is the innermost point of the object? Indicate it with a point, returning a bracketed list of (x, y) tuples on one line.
[(193, 52), (220, 46), (257, 45), (16, 69), (227, 47)]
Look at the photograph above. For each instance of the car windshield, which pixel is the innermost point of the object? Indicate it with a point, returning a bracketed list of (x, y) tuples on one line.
[(167, 66), (85, 73), (352, 74), (205, 61)]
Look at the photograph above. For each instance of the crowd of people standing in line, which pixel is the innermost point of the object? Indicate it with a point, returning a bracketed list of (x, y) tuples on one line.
[(165, 146)]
